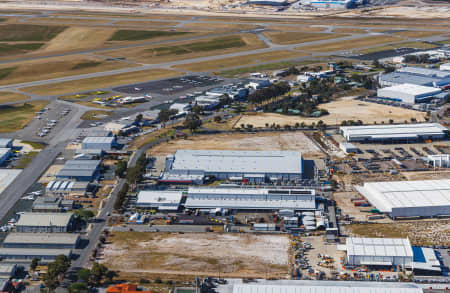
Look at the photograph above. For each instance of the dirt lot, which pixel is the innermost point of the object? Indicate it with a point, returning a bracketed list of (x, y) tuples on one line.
[(342, 109), (343, 200), (427, 175), (419, 232), (198, 254), (6, 97), (295, 141)]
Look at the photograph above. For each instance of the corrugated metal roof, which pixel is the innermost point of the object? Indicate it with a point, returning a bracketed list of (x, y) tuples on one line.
[(396, 194), (320, 289), (159, 197), (282, 162), (42, 238), (379, 247), (425, 71), (99, 139), (33, 252), (45, 219)]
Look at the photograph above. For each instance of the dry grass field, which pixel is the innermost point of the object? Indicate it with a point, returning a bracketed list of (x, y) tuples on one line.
[(7, 97), (100, 82), (230, 255), (75, 38), (427, 175), (240, 61), (417, 45), (349, 30), (418, 34), (17, 116), (48, 68), (218, 27), (342, 109), (351, 44), (191, 49), (419, 232), (286, 38), (145, 24), (297, 28), (273, 141)]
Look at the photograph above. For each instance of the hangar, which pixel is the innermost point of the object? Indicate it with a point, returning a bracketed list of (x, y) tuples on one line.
[(7, 176), (42, 240), (379, 252), (394, 133), (251, 198), (45, 222), (81, 170), (252, 166), (426, 198), (408, 93), (159, 199)]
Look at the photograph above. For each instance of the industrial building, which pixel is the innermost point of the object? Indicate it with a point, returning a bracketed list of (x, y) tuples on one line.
[(268, 2), (98, 142), (426, 198), (439, 161), (159, 199), (333, 4), (383, 252), (408, 93), (445, 66), (312, 286), (247, 166), (44, 255), (8, 270), (52, 205), (251, 199), (67, 187), (80, 170), (4, 155), (426, 262), (42, 240), (7, 176), (348, 148), (45, 223), (394, 133), (417, 76), (6, 143)]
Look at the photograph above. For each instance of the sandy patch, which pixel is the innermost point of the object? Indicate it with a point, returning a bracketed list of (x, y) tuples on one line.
[(193, 253), (342, 109), (287, 141), (50, 174)]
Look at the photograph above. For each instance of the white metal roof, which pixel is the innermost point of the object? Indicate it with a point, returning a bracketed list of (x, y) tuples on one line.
[(248, 191), (4, 142), (379, 247), (284, 162), (425, 71), (4, 151), (324, 288), (411, 89), (396, 194), (34, 252), (159, 197), (399, 130), (99, 139), (6, 177)]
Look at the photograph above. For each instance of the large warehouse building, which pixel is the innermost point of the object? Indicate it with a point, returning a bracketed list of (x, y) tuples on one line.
[(42, 240), (427, 198), (81, 170), (408, 93), (334, 4), (251, 166), (379, 252), (43, 222), (251, 199), (313, 286), (98, 142), (416, 75), (159, 199), (394, 133)]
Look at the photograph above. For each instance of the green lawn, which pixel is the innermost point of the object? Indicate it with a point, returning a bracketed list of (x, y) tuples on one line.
[(134, 35), (34, 145), (211, 45), (95, 114), (26, 159), (9, 49), (29, 32), (4, 72), (15, 117), (87, 64)]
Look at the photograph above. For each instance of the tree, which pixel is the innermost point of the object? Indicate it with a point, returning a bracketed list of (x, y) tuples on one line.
[(138, 118), (121, 167), (34, 264), (84, 214), (98, 273), (391, 121), (192, 122), (217, 119), (83, 275), (79, 288), (196, 109), (165, 114), (55, 272)]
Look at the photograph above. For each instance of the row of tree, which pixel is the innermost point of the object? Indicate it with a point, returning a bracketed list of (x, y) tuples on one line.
[(98, 275), (269, 92), (55, 272)]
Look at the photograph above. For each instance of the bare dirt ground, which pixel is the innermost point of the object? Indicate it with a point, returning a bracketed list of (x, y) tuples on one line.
[(343, 201), (295, 141), (342, 109), (198, 253), (50, 174), (419, 232), (427, 175)]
